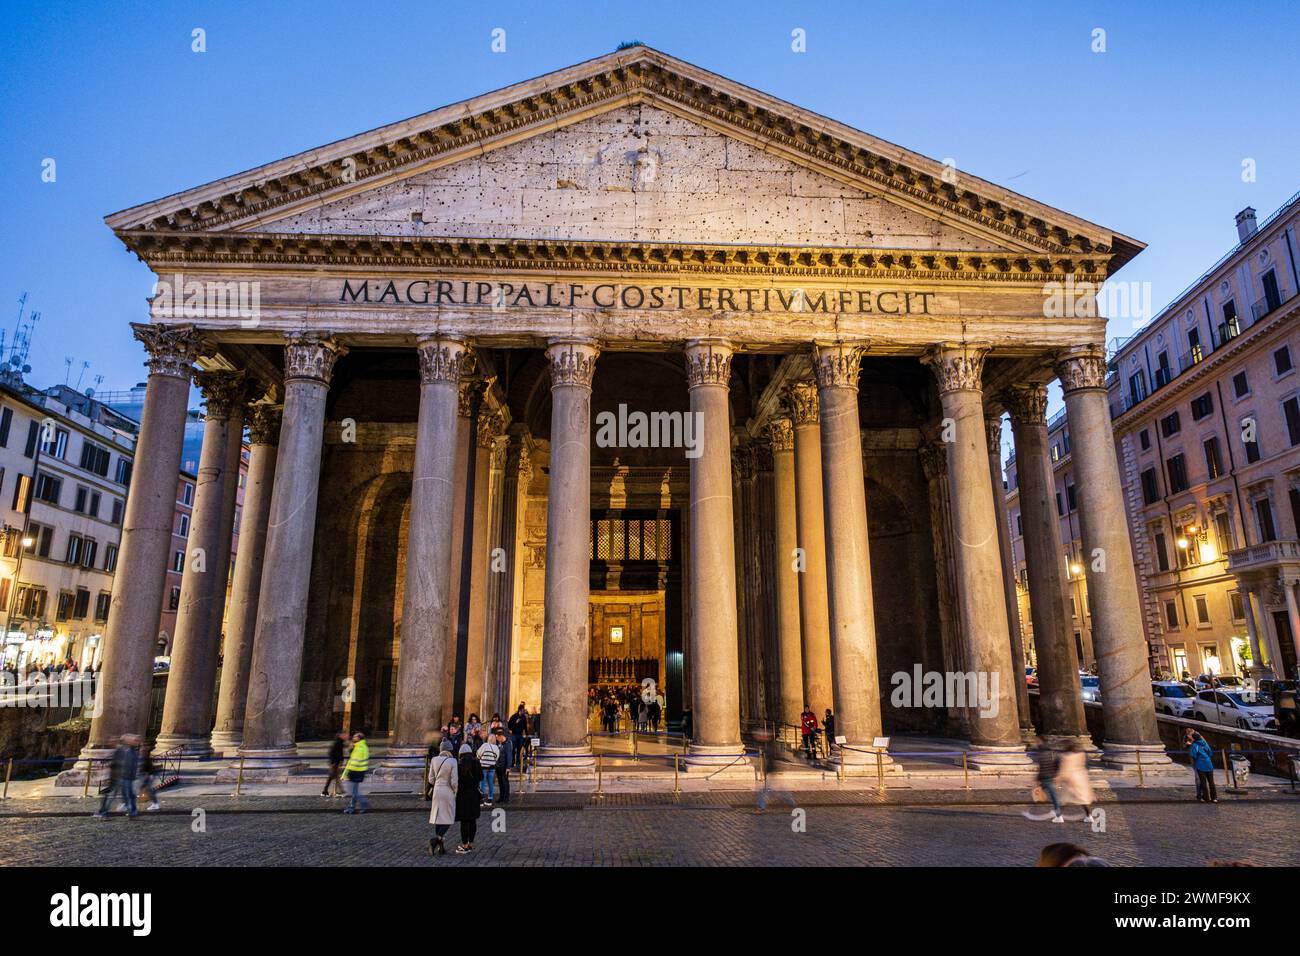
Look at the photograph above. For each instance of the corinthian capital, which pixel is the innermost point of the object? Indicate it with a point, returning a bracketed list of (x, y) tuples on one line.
[(490, 427), (780, 432), (222, 391), (1027, 404), (310, 356), (957, 368), (1082, 367), (172, 348), (803, 403), (934, 459), (264, 424), (993, 431), (573, 361), (443, 359), (708, 362), (837, 366)]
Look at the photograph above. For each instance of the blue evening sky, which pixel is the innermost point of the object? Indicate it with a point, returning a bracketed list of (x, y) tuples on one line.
[(1147, 138)]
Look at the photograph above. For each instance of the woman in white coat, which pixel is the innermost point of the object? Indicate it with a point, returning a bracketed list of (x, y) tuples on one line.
[(444, 777)]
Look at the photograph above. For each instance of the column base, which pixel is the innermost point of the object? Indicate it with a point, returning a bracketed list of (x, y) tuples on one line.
[(275, 765), (93, 761), (718, 760), (1010, 758), (402, 765), (1125, 757), (561, 762), (862, 758), (225, 741), (200, 747), (1061, 741)]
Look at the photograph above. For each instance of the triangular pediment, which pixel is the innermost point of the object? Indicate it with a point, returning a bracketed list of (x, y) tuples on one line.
[(635, 146)]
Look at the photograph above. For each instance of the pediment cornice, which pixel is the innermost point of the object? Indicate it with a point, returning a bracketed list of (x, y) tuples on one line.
[(628, 77), (163, 250)]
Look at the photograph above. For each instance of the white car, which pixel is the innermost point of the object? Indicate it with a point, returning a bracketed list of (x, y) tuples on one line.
[(1173, 697), (1232, 709)]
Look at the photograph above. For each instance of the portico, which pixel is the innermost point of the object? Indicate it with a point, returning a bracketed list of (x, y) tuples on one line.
[(443, 307)]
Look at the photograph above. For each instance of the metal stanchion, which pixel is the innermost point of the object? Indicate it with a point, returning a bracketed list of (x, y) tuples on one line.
[(1139, 756), (965, 772), (1227, 770), (239, 778), (677, 785), (9, 772), (880, 770), (90, 769), (839, 770), (600, 764)]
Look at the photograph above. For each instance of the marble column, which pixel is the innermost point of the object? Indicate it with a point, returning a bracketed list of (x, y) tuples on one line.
[(1060, 697), (742, 497), (124, 682), (187, 710), (848, 557), (271, 712), (1288, 585), (264, 436), (469, 389), (934, 464), (566, 644), (715, 663), (814, 610), (786, 581), (1117, 635), (1260, 668), (994, 723), (425, 640), (993, 425), (486, 430), (504, 499)]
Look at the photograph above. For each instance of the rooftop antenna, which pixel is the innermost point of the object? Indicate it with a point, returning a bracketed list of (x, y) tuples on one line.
[(67, 363), (22, 303), (84, 366), (23, 340)]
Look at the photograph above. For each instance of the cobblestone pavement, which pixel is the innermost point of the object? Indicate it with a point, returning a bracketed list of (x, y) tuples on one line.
[(709, 829)]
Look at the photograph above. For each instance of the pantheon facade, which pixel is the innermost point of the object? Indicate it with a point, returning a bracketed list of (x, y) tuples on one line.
[(426, 327)]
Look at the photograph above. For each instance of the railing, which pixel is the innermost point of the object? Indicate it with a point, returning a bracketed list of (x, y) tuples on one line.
[(1257, 555)]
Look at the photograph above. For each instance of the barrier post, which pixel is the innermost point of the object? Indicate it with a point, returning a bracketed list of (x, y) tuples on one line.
[(677, 763), (9, 772), (600, 764), (965, 772), (1227, 770), (839, 771), (1139, 756), (90, 770), (880, 771), (239, 778)]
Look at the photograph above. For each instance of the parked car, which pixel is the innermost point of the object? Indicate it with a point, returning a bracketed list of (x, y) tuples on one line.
[(1232, 709), (1272, 686), (1173, 697), (1229, 682), (1091, 686)]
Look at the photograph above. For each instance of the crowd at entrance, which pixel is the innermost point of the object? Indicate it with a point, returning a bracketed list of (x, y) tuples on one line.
[(627, 708)]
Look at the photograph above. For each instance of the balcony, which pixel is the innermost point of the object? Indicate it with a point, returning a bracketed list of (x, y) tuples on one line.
[(1270, 554)]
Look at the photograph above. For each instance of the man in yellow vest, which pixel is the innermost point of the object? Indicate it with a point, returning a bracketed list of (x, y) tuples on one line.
[(357, 768)]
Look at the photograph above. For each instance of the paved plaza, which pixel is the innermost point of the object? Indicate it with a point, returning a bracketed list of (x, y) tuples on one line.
[(1154, 827)]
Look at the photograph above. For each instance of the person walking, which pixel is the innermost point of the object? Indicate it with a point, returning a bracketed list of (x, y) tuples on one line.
[(488, 757), (828, 726), (121, 776), (808, 728), (467, 797), (357, 768), (504, 762), (1072, 784), (148, 774), (1203, 761), (518, 727), (443, 781), (336, 765), (1049, 764)]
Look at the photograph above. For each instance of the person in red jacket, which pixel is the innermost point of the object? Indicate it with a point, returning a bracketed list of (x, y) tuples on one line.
[(808, 726)]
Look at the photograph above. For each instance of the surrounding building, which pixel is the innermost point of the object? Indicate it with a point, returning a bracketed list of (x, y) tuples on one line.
[(597, 378), (65, 462), (1206, 405)]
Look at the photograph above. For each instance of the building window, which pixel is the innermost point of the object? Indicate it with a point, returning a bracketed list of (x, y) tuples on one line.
[(117, 511), (183, 528), (110, 558), (1202, 610), (1020, 526), (82, 606), (102, 604), (1163, 373), (48, 488), (1171, 615), (1235, 606), (1213, 458), (33, 436), (174, 601), (23, 493), (1162, 552), (1060, 509), (1240, 385), (1070, 500), (1264, 517), (1144, 439), (89, 551), (1282, 360), (94, 458), (1272, 296), (73, 555), (187, 493), (55, 444), (1150, 488), (1137, 388), (1249, 427), (178, 562), (1223, 530), (1202, 405), (1170, 425), (6, 422), (123, 474), (1291, 409), (64, 607), (1176, 470)]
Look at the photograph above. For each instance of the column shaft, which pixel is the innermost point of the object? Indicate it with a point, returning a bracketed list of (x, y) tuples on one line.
[(461, 547), (271, 712), (814, 610), (994, 427), (1130, 718), (264, 431), (566, 643), (187, 711), (714, 651), (786, 580), (477, 636)]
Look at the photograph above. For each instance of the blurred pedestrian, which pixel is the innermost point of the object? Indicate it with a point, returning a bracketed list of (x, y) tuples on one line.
[(467, 797), (122, 769), (1072, 783), (1049, 764), (443, 780), (357, 768), (148, 778), (336, 764)]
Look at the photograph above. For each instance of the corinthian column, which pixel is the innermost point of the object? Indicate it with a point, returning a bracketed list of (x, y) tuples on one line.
[(814, 609), (187, 711), (123, 685), (264, 435), (994, 724), (426, 624), (487, 427), (993, 424), (565, 641), (781, 433), (715, 664), (1060, 697), (272, 708), (1108, 557), (852, 615)]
